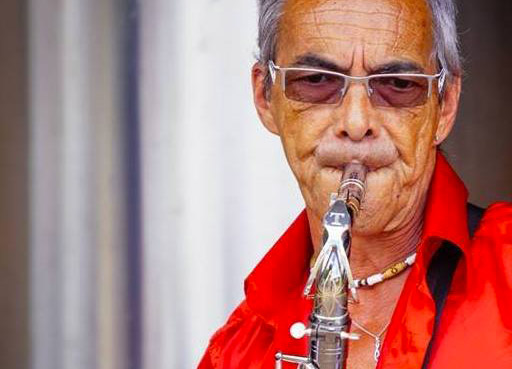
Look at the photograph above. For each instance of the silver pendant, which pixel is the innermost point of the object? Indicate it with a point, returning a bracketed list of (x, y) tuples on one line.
[(376, 352)]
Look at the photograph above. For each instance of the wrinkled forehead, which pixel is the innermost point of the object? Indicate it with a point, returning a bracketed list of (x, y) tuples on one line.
[(384, 29)]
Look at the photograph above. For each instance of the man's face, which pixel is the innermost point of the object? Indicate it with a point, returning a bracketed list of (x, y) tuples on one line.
[(397, 144)]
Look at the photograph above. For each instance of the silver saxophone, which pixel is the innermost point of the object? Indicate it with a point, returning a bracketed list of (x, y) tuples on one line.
[(331, 280)]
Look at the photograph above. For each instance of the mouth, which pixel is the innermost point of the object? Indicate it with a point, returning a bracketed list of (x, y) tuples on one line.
[(335, 174), (335, 156), (340, 169)]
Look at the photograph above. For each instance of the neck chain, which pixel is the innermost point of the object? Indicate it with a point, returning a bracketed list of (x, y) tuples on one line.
[(376, 337), (387, 273)]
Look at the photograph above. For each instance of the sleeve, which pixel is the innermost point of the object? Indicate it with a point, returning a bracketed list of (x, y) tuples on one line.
[(222, 336), (241, 342), (205, 362)]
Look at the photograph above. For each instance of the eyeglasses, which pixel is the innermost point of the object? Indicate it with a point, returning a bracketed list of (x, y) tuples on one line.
[(317, 86)]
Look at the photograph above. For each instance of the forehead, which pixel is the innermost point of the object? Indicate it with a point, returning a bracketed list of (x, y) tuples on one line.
[(384, 30)]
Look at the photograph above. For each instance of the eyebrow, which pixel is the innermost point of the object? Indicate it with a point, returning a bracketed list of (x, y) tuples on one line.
[(398, 67), (315, 61), (312, 60)]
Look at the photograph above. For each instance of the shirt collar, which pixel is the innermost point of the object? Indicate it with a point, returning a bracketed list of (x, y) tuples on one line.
[(282, 273), (445, 212)]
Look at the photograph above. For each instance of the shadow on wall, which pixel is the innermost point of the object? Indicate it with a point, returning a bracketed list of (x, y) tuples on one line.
[(479, 146)]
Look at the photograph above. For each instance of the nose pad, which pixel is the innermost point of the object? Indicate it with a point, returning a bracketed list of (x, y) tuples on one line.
[(366, 83), (369, 89)]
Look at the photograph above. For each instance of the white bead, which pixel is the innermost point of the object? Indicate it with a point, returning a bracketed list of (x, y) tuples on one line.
[(376, 278)]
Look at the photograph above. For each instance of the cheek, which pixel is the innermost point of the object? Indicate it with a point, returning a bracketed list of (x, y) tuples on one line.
[(301, 128), (412, 133), (424, 127)]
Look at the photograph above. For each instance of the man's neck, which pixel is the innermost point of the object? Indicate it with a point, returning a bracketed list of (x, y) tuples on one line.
[(370, 254)]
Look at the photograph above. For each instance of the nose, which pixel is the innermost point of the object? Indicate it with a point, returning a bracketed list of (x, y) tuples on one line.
[(352, 118)]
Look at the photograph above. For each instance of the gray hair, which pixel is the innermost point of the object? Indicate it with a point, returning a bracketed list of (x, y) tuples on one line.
[(444, 29)]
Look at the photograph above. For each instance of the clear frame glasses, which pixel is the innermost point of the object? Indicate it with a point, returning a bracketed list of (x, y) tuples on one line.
[(318, 86)]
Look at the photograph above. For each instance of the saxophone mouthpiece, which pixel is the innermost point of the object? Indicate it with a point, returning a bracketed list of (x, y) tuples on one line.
[(352, 187)]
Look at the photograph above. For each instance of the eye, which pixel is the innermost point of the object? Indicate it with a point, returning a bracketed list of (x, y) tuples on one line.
[(310, 78), (399, 83), (316, 78), (313, 86)]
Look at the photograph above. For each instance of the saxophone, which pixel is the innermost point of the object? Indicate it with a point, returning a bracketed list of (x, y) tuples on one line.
[(332, 281)]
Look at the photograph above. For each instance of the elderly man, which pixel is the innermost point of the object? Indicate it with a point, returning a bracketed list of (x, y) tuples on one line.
[(375, 82)]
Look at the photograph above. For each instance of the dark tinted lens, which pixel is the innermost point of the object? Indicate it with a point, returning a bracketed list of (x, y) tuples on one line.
[(313, 87), (399, 92)]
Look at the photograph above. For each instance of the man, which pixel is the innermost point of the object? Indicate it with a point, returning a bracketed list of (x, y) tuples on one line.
[(393, 123)]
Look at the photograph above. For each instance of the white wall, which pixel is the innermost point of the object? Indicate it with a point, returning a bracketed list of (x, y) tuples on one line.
[(217, 191)]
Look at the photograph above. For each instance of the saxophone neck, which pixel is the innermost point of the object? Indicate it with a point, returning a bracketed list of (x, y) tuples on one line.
[(337, 224), (331, 279)]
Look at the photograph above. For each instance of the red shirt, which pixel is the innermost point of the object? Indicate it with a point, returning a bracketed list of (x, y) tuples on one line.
[(476, 326)]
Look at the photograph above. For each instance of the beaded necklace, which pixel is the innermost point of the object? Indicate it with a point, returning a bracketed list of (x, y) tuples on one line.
[(387, 273)]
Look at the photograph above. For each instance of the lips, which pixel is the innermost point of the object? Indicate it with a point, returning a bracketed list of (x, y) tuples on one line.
[(373, 153)]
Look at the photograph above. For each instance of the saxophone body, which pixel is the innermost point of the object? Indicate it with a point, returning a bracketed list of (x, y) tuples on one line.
[(330, 281)]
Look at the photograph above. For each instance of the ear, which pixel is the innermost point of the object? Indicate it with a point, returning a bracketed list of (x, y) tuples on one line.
[(449, 105), (261, 98)]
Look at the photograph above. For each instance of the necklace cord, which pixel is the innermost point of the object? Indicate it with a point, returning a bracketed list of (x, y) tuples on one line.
[(376, 337)]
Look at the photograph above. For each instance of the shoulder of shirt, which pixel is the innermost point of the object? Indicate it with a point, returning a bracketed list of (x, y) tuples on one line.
[(497, 222), (489, 259), (242, 321)]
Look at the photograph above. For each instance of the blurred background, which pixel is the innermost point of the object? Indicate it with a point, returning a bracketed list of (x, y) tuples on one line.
[(137, 187)]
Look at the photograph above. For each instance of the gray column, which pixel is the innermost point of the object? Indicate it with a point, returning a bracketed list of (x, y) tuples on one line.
[(77, 175), (216, 188)]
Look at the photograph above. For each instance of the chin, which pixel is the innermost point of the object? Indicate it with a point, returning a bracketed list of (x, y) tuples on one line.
[(382, 200), (373, 217)]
